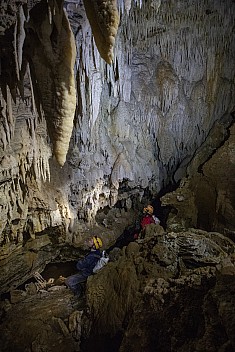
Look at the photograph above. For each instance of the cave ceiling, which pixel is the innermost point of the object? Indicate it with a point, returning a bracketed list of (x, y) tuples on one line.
[(105, 106)]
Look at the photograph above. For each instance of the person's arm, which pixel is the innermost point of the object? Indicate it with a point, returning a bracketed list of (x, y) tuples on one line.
[(82, 263), (156, 220), (88, 262), (145, 221)]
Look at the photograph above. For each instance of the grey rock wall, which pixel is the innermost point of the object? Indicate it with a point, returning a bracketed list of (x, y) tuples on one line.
[(144, 117)]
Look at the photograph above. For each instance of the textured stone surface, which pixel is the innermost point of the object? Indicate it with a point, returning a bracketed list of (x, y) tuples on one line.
[(50, 322), (138, 123), (170, 292), (178, 295), (140, 119), (104, 19), (162, 112), (206, 198)]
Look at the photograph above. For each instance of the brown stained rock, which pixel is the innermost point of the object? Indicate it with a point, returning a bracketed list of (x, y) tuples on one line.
[(132, 250), (183, 209), (41, 322), (224, 297), (75, 324), (181, 315), (206, 198), (177, 301), (111, 295), (17, 296), (164, 256), (219, 172), (142, 301), (18, 268)]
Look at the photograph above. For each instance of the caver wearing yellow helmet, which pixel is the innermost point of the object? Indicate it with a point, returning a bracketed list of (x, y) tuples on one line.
[(85, 266), (97, 242)]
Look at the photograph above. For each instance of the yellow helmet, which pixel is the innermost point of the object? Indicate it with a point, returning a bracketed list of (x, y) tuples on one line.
[(149, 209), (97, 242)]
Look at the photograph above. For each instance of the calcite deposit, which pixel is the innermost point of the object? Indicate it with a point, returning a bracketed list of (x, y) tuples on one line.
[(104, 109), (138, 122)]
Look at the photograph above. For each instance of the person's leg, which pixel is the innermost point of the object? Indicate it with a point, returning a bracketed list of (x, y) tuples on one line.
[(74, 281)]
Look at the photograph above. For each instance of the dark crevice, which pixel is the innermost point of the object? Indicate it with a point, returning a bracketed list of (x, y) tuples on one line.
[(229, 124)]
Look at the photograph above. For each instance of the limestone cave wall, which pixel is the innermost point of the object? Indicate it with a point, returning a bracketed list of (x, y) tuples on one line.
[(138, 120)]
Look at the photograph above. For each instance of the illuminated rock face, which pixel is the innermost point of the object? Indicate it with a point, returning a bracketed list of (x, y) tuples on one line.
[(170, 83), (52, 58), (138, 121)]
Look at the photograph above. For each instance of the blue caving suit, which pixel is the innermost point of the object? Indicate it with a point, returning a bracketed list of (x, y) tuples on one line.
[(85, 267)]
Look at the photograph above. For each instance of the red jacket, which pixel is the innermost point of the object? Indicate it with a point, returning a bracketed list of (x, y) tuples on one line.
[(147, 220)]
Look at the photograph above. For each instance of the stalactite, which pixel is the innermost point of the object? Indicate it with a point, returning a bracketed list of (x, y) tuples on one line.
[(127, 6), (10, 122), (104, 19), (49, 12), (158, 33), (56, 53), (16, 53), (20, 37)]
